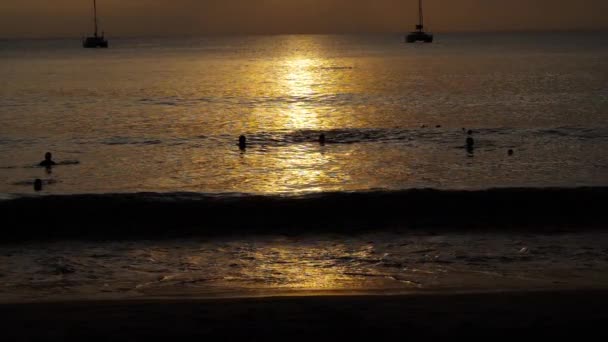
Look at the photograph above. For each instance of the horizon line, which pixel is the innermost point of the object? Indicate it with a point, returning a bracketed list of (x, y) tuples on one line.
[(253, 34)]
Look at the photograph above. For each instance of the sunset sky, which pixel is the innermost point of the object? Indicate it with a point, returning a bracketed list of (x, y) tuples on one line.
[(67, 18)]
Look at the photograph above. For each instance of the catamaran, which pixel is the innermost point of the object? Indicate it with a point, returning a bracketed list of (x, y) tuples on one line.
[(96, 41), (419, 35)]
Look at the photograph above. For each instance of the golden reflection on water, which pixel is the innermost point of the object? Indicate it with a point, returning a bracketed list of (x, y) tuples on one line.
[(282, 94), (297, 168), (312, 269), (298, 81)]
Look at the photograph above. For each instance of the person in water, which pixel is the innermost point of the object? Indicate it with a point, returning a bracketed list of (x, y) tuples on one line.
[(470, 144), (242, 142), (322, 139), (48, 160), (38, 185)]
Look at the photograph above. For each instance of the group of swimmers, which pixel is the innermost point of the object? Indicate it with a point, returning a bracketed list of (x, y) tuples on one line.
[(49, 163), (243, 141), (470, 142)]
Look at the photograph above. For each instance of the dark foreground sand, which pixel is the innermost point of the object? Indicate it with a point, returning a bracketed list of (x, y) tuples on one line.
[(496, 316)]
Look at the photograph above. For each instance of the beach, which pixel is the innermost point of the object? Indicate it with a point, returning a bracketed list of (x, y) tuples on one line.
[(496, 316), (494, 264)]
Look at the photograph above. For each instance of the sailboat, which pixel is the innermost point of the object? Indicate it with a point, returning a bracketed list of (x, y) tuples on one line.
[(419, 35), (96, 41)]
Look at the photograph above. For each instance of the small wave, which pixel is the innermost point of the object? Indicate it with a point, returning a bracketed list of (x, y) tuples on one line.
[(59, 163), (57, 266), (7, 197), (439, 135), (490, 138), (68, 162), (130, 141), (406, 281), (341, 136), (10, 141), (337, 68), (157, 214), (575, 132), (177, 101), (31, 182), (477, 260)]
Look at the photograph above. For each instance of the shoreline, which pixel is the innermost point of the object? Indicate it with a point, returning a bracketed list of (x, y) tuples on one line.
[(537, 313), (301, 295)]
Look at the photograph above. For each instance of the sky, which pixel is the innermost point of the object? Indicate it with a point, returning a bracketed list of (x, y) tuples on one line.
[(68, 18)]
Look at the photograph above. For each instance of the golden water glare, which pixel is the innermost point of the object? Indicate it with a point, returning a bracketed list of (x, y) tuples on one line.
[(299, 81), (303, 167)]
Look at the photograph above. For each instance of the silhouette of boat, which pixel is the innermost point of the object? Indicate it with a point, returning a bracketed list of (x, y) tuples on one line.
[(419, 35), (96, 41)]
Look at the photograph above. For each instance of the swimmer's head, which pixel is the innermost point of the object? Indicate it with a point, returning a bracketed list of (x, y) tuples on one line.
[(48, 156)]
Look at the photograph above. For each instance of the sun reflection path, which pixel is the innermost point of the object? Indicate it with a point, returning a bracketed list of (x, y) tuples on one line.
[(311, 268), (299, 80), (299, 167)]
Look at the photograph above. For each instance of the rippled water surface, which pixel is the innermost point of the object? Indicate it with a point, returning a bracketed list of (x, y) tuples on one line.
[(165, 115), (381, 263)]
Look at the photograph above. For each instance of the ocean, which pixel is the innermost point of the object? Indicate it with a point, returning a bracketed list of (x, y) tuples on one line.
[(152, 196), (164, 115)]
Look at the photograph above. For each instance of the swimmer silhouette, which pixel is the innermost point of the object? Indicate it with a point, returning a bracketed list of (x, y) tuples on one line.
[(470, 144), (242, 142), (38, 185), (470, 132), (322, 139), (48, 160), (511, 152)]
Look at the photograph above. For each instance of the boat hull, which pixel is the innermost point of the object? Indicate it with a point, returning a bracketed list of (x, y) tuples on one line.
[(419, 37), (95, 42)]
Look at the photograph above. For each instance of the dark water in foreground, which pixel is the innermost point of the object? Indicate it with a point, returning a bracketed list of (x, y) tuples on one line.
[(190, 245)]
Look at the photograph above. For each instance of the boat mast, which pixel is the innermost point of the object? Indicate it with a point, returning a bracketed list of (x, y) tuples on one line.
[(95, 12), (420, 25)]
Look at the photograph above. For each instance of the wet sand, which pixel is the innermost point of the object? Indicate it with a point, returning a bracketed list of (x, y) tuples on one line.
[(491, 316)]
